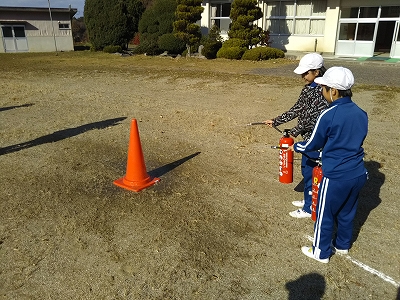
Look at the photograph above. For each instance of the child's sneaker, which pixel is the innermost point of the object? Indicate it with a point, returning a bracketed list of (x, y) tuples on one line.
[(308, 251), (299, 203), (339, 251), (300, 214)]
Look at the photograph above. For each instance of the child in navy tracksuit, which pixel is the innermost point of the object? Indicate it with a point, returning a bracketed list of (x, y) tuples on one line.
[(340, 132), (306, 110)]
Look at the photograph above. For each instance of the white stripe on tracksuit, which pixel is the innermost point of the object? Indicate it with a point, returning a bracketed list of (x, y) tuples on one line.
[(321, 208), (301, 147)]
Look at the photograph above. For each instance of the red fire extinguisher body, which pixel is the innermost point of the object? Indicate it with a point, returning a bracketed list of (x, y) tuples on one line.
[(316, 180), (285, 158)]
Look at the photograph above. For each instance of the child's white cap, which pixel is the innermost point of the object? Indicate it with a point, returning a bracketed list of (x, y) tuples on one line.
[(337, 77), (311, 61)]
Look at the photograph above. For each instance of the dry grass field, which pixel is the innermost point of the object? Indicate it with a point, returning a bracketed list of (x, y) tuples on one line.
[(216, 226)]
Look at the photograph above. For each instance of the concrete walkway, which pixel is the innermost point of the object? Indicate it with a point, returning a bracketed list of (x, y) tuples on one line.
[(366, 71), (297, 55)]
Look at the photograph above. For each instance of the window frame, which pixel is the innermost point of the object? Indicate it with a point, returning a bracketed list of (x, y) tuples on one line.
[(217, 20), (64, 26), (293, 19)]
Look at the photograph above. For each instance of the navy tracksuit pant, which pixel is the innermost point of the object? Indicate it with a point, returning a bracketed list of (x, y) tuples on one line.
[(337, 202)]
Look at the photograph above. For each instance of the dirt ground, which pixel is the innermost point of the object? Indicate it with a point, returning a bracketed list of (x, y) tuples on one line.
[(216, 226)]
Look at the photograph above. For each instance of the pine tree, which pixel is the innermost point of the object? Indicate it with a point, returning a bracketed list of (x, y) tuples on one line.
[(188, 12), (243, 14), (112, 22)]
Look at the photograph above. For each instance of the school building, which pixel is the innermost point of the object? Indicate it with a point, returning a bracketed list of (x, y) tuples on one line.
[(32, 29), (353, 28)]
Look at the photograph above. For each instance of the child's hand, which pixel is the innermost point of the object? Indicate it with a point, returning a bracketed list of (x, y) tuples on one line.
[(291, 148), (269, 122)]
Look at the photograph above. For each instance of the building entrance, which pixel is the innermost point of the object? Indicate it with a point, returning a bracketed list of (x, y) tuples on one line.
[(384, 38), (368, 31)]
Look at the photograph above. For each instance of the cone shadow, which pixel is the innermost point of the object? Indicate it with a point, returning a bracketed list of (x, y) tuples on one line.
[(158, 172)]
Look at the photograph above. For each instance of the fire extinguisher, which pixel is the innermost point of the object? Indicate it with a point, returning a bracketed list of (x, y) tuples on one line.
[(285, 158), (316, 180)]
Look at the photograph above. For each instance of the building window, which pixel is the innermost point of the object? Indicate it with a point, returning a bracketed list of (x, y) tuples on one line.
[(358, 23), (7, 31), (63, 25), (13, 31), (300, 17), (347, 31), (390, 12), (220, 16), (19, 31)]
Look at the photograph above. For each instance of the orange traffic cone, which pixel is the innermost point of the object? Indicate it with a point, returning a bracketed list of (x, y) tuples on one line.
[(136, 177)]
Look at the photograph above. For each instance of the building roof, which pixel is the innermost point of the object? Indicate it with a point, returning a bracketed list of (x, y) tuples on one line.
[(71, 11)]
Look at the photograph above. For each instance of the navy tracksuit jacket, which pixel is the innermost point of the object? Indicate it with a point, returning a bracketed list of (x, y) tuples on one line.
[(340, 132)]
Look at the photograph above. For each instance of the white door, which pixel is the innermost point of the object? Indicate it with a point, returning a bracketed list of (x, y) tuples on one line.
[(20, 38), (14, 38), (8, 39), (395, 50)]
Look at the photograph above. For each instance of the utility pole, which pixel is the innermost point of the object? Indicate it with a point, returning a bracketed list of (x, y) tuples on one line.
[(52, 24)]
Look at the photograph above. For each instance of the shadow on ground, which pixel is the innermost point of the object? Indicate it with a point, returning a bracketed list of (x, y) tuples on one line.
[(309, 286), (60, 135), (369, 197), (15, 106), (169, 167)]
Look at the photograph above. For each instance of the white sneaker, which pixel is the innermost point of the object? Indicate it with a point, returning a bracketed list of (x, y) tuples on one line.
[(339, 251), (300, 214), (308, 251), (299, 203)]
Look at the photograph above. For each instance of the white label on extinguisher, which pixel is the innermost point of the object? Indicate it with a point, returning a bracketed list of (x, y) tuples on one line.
[(285, 145), (283, 159)]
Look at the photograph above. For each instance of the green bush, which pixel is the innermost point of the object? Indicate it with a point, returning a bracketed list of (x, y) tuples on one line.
[(212, 42), (112, 22), (170, 43), (263, 53), (148, 46), (231, 52), (211, 48), (112, 49), (156, 21), (234, 43), (232, 49)]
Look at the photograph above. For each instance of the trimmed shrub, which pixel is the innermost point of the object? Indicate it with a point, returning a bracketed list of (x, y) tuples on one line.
[(263, 53), (243, 14), (234, 42), (170, 43), (211, 49), (212, 42), (232, 49), (112, 49), (185, 27), (231, 52), (148, 46)]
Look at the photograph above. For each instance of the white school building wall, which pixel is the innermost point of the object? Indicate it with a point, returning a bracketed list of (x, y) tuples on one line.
[(321, 25)]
